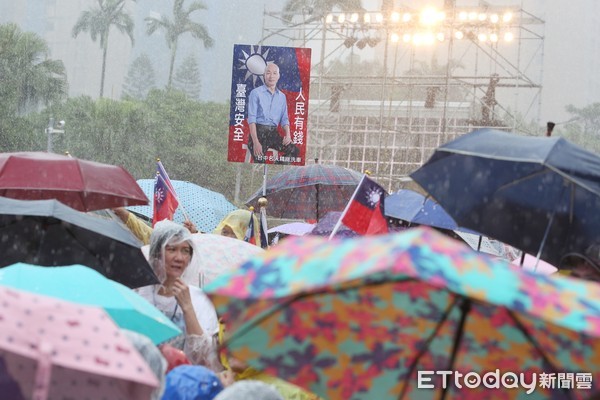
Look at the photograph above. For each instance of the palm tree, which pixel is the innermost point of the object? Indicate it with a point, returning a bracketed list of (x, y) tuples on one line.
[(180, 24), (98, 22), (317, 9), (27, 77)]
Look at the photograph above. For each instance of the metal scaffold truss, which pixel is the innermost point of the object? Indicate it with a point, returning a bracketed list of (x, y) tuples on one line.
[(389, 86)]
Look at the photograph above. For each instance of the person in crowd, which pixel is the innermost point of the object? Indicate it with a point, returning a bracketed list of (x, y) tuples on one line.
[(267, 110), (170, 253), (235, 225), (139, 228), (249, 390), (194, 382), (583, 266), (153, 357)]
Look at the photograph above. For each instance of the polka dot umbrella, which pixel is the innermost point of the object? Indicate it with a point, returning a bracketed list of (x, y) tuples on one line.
[(54, 349), (204, 207)]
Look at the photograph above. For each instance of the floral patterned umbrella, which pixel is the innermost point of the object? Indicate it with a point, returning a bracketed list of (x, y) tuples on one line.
[(375, 317)]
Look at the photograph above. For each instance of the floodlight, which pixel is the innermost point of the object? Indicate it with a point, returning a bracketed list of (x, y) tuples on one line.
[(459, 35), (395, 16), (394, 37), (354, 17), (482, 37), (329, 18), (494, 18), (507, 17), (406, 17), (493, 37), (341, 18), (508, 36)]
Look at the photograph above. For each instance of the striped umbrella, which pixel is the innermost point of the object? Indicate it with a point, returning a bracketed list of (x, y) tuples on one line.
[(308, 192)]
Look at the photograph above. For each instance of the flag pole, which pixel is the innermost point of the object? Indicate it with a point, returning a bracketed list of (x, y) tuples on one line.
[(264, 180), (339, 223), (172, 190)]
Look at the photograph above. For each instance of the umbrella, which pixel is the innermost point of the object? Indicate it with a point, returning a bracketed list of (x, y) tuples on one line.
[(325, 226), (530, 263), (80, 184), (83, 285), (61, 350), (308, 192), (48, 233), (373, 317), (215, 255), (534, 193), (204, 207), (413, 207), (293, 228)]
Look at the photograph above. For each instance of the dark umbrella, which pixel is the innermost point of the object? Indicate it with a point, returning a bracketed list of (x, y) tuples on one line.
[(48, 233), (308, 192), (534, 193), (80, 184), (326, 224)]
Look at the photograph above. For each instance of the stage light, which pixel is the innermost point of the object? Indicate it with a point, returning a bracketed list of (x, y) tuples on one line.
[(379, 18), (507, 17), (407, 37), (459, 35), (440, 36), (494, 18), (341, 18), (428, 38), (372, 42), (493, 37), (361, 44), (463, 16), (482, 17), (406, 17), (394, 37), (354, 18), (329, 18), (367, 18), (349, 42), (482, 37), (508, 36), (472, 16), (428, 17), (395, 17)]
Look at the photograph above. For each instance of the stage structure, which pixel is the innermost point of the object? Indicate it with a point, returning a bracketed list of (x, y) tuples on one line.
[(390, 86)]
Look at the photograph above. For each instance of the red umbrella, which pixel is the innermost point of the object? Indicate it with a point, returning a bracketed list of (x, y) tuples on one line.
[(80, 184)]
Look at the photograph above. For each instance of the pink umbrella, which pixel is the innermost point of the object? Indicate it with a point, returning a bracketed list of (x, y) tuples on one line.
[(293, 228), (543, 267), (58, 349)]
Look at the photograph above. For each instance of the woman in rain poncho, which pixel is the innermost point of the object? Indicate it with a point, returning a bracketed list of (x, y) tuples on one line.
[(171, 251), (235, 225)]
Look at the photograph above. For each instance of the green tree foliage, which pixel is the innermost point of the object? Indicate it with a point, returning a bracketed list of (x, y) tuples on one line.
[(188, 136), (180, 23), (583, 128), (187, 78), (140, 78), (28, 80), (98, 21)]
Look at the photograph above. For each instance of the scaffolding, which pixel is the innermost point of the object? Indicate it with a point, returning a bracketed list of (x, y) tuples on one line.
[(381, 99)]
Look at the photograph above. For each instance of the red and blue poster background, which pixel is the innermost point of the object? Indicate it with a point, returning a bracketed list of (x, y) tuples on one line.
[(249, 63)]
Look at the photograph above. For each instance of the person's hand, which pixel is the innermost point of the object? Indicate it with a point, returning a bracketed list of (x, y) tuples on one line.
[(227, 377), (287, 140), (122, 213), (190, 226), (237, 365), (258, 150), (181, 291)]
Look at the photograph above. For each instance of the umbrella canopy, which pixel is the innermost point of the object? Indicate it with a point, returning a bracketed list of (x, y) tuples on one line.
[(204, 207), (61, 350), (293, 228), (362, 318), (325, 226), (214, 256), (413, 207), (48, 233), (308, 192), (80, 184), (83, 285), (529, 192)]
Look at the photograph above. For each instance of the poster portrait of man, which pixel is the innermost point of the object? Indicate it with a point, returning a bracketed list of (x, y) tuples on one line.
[(269, 105)]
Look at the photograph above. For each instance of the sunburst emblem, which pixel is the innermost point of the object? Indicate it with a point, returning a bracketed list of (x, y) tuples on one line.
[(255, 64), (159, 195), (373, 196)]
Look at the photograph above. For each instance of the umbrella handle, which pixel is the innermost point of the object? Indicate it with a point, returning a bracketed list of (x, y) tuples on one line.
[(539, 253)]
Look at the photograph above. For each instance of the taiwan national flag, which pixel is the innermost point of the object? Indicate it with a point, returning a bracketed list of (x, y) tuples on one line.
[(250, 236), (165, 201), (364, 214)]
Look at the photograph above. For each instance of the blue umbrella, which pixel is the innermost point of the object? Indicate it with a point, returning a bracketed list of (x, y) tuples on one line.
[(538, 194), (204, 207), (415, 208), (82, 285)]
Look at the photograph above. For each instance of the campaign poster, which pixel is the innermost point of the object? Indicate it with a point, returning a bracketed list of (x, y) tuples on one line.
[(269, 104)]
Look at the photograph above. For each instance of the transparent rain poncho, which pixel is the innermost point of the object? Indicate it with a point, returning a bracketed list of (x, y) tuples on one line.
[(200, 349), (153, 358)]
